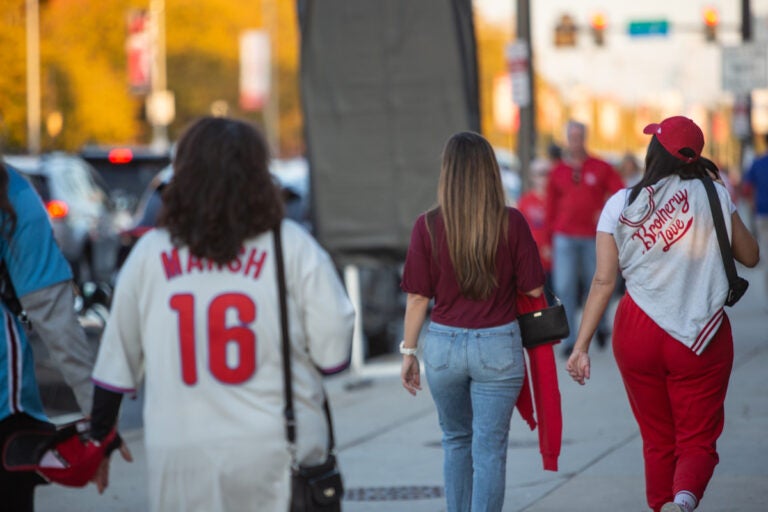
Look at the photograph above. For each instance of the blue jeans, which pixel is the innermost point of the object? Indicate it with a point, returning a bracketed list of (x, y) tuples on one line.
[(574, 259), (475, 376)]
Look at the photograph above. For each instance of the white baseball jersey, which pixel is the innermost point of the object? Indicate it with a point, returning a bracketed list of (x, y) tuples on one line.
[(207, 340)]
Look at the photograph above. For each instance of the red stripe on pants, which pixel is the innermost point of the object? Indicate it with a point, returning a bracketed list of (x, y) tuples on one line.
[(677, 398)]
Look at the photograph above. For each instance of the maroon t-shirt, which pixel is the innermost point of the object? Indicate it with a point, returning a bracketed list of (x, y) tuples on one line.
[(518, 269)]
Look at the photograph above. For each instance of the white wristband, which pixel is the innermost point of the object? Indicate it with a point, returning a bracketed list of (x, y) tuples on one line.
[(407, 351)]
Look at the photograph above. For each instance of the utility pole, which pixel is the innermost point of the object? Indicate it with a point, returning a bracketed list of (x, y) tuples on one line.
[(746, 21), (526, 135), (746, 38), (272, 108), (33, 76)]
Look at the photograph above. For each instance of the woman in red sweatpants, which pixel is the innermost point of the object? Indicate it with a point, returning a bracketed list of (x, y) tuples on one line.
[(677, 398), (672, 339)]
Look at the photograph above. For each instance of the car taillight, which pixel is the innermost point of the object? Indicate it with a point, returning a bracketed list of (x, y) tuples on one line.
[(57, 209), (120, 156)]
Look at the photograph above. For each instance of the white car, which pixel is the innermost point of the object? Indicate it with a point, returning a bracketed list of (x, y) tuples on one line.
[(81, 211)]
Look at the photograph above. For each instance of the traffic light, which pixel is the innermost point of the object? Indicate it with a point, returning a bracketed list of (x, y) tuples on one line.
[(565, 31), (711, 21), (598, 22)]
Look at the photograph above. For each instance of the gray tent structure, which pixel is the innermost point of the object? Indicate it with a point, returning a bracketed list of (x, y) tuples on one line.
[(384, 83)]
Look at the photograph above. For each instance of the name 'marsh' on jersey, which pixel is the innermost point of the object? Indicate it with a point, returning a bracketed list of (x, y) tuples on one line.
[(247, 264)]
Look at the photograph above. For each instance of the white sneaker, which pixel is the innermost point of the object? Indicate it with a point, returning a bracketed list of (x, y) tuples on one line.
[(672, 507)]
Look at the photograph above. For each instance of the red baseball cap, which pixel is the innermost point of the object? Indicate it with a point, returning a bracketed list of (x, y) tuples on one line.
[(676, 133), (65, 456)]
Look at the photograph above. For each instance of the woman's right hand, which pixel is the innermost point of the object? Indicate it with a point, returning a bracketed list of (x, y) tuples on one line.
[(101, 477), (578, 366), (410, 374)]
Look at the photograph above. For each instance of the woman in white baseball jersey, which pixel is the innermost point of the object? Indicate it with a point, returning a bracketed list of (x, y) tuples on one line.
[(195, 316), (672, 339)]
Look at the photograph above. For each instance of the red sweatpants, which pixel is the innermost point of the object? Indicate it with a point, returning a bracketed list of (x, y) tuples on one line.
[(677, 398)]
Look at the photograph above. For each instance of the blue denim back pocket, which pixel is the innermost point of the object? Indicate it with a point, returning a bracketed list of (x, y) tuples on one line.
[(498, 351), (437, 348)]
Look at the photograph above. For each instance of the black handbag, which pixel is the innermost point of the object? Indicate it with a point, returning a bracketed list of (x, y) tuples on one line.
[(546, 325), (313, 488), (736, 285)]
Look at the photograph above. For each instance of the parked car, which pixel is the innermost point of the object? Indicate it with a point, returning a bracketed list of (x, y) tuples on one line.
[(292, 175), (126, 170), (82, 213)]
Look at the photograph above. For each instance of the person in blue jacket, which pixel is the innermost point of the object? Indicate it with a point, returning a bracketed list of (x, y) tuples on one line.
[(42, 281)]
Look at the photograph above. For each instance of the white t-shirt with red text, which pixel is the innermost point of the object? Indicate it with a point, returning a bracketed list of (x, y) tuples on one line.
[(670, 257)]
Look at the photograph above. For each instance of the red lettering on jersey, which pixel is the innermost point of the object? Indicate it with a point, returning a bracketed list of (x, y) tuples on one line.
[(171, 263), (184, 305), (255, 263), (241, 337), (194, 263)]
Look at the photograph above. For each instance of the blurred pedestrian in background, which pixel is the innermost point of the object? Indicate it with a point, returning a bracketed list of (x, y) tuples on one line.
[(630, 170), (756, 187), (554, 153), (196, 305), (577, 189), (36, 282), (672, 339), (472, 255), (532, 205)]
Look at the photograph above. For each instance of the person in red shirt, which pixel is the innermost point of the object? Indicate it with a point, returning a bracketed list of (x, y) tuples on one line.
[(578, 187), (533, 206), (472, 254)]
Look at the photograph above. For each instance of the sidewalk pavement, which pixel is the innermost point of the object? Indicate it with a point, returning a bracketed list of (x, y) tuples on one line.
[(389, 442)]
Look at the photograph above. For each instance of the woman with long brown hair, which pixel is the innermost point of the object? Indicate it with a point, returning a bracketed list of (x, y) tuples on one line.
[(472, 255)]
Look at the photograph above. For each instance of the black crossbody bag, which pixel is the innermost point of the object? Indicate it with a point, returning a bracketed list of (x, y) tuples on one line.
[(313, 488), (548, 325), (736, 285)]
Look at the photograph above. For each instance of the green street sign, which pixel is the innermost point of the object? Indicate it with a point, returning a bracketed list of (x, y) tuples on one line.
[(643, 28)]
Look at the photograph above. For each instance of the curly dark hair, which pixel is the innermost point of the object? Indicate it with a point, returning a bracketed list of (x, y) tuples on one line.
[(222, 192)]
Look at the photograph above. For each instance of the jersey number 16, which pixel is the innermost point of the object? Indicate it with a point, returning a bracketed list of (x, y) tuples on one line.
[(219, 337)]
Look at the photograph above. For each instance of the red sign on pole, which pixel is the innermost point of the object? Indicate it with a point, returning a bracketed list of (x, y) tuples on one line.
[(138, 50), (255, 69)]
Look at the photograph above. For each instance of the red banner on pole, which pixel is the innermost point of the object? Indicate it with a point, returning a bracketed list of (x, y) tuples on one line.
[(138, 50), (255, 69)]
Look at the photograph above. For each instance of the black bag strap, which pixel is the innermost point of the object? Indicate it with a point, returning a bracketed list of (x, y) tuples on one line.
[(288, 411), (8, 295), (722, 235)]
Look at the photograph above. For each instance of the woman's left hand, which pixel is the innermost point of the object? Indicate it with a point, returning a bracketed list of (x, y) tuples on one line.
[(578, 366), (410, 374)]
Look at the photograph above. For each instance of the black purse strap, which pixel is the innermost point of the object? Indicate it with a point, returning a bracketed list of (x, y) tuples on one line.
[(9, 297), (288, 411), (722, 235)]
